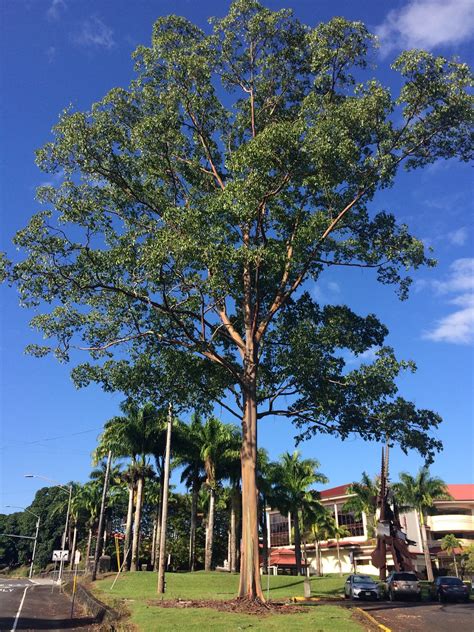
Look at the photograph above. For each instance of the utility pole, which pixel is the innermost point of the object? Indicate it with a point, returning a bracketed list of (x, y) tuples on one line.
[(100, 529), (34, 547), (164, 508)]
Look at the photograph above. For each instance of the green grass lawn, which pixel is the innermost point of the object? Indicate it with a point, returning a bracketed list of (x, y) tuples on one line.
[(135, 590)]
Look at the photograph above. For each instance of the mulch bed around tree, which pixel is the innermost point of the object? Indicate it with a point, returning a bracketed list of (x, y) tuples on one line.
[(243, 606)]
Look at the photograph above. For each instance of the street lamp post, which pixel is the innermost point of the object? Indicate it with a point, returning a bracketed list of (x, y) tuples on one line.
[(36, 535), (68, 490)]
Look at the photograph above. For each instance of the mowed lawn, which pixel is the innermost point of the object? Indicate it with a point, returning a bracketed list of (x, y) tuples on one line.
[(137, 591)]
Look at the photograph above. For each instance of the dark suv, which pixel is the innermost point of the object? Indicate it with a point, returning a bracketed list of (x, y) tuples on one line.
[(403, 584), (450, 588)]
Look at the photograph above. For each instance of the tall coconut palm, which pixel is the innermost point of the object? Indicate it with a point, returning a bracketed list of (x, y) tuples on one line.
[(450, 543), (188, 455), (133, 435), (292, 480), (88, 499), (231, 470), (364, 500), (215, 440), (420, 493)]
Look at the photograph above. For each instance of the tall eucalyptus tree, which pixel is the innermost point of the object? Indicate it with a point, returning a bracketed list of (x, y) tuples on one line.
[(188, 223)]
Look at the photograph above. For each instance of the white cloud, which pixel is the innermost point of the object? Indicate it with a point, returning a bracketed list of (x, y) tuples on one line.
[(94, 33), (427, 24), (461, 278), (55, 8), (457, 327), (458, 237)]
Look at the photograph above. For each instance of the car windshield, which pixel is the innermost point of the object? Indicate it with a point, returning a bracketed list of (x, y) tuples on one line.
[(362, 579), (406, 577), (451, 581)]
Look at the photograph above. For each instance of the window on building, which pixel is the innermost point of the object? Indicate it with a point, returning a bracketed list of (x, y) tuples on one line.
[(279, 534), (354, 525)]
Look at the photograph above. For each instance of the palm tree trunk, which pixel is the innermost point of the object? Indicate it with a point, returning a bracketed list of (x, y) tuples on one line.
[(318, 557), (296, 528), (192, 535), (426, 550), (136, 525), (88, 550), (210, 531), (338, 556), (160, 511), (164, 505), (455, 564), (73, 548), (128, 528)]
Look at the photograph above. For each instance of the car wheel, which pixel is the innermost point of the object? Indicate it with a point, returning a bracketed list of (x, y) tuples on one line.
[(466, 599), (346, 596)]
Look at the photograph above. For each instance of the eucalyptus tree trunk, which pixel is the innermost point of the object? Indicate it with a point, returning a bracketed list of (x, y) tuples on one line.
[(192, 535), (426, 549), (296, 528), (250, 586), (128, 528), (136, 525), (210, 531)]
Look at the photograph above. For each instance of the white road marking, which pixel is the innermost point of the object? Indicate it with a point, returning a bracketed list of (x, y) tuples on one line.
[(19, 610)]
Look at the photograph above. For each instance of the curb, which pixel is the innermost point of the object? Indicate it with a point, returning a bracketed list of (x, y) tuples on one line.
[(102, 613), (373, 620)]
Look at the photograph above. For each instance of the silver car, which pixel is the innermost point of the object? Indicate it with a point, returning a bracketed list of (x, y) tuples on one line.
[(403, 584), (361, 587)]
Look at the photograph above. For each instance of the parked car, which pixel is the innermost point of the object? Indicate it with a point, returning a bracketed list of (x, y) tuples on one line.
[(361, 587), (450, 588), (403, 584)]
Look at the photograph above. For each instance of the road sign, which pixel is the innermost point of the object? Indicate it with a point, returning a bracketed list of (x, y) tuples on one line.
[(60, 555)]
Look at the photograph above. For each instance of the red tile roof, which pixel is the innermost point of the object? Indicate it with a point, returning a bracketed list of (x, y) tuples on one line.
[(462, 492), (341, 490), (458, 492)]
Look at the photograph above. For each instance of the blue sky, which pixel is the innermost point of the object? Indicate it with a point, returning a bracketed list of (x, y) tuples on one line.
[(57, 52)]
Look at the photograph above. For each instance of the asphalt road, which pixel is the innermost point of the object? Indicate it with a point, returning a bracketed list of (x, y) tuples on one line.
[(32, 605), (423, 617)]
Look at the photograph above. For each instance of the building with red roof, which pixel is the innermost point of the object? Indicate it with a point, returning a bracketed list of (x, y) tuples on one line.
[(352, 553)]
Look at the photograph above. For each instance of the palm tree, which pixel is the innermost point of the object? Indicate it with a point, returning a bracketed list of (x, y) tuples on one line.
[(88, 499), (189, 440), (364, 500), (420, 493), (216, 441), (292, 478), (449, 543), (133, 435), (337, 532), (319, 525)]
